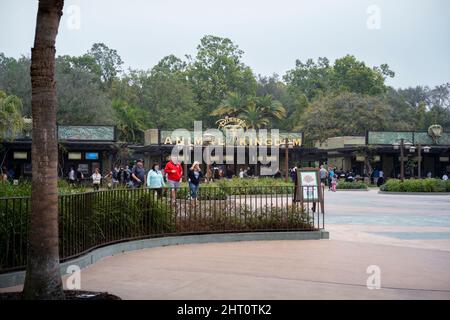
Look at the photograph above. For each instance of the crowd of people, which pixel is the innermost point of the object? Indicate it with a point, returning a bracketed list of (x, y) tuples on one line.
[(158, 178), (331, 176), (137, 177)]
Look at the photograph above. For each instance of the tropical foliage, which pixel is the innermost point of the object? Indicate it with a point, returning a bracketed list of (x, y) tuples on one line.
[(10, 115), (320, 97)]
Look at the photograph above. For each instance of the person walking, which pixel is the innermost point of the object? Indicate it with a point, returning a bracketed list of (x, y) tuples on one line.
[(323, 175), (333, 183), (96, 179), (115, 175), (125, 176), (380, 178), (155, 180), (330, 177), (80, 176), (72, 177), (194, 176), (293, 174), (4, 174), (209, 175), (375, 176), (174, 171), (138, 174)]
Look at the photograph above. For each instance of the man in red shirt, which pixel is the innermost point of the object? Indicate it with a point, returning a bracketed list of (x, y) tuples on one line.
[(174, 172)]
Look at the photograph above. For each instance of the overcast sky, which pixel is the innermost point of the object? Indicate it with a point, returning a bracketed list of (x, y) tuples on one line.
[(412, 36)]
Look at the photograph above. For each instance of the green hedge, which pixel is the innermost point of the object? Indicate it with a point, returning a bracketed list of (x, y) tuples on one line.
[(23, 189), (351, 185), (416, 185), (204, 193)]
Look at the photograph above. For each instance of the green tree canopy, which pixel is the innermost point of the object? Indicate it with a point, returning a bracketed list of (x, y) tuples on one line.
[(346, 113), (15, 79), (10, 116), (218, 70), (129, 121), (108, 63), (346, 74)]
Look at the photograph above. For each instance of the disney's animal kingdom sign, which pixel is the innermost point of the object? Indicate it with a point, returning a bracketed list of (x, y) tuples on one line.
[(231, 123)]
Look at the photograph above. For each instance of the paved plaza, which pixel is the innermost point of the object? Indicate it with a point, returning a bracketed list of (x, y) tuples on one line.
[(407, 237)]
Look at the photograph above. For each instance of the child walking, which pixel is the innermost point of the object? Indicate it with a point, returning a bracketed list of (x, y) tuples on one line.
[(333, 183)]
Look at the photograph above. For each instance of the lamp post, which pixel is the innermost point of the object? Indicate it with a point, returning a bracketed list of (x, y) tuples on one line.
[(287, 145), (207, 140), (187, 149), (419, 148), (402, 146), (412, 148)]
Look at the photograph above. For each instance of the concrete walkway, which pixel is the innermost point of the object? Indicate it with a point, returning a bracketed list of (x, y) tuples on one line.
[(417, 221), (309, 269), (407, 237)]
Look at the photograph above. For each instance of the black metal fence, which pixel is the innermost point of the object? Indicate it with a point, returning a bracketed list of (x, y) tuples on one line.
[(93, 219)]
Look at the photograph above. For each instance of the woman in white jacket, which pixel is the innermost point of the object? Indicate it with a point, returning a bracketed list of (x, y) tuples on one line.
[(96, 179)]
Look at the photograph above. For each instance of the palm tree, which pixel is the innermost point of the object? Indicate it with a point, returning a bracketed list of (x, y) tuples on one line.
[(231, 105), (43, 279), (270, 107), (256, 111), (254, 116), (129, 120)]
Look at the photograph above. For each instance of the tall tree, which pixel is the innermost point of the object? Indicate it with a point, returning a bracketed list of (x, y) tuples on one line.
[(257, 111), (129, 121), (81, 99), (108, 62), (231, 105), (310, 78), (271, 107), (350, 74), (10, 116), (43, 280), (15, 79), (218, 70), (346, 74), (346, 113), (254, 116)]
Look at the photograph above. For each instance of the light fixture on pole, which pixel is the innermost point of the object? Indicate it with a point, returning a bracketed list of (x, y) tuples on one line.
[(396, 145), (287, 145)]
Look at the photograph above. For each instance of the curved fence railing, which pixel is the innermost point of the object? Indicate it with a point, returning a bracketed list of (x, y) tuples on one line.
[(93, 219)]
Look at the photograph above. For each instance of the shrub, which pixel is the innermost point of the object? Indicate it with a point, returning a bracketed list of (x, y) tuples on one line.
[(416, 185), (351, 185), (23, 189)]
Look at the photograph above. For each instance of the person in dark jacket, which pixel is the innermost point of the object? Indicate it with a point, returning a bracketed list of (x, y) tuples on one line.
[(195, 175)]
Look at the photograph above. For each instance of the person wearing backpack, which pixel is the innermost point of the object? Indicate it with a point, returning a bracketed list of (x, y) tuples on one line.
[(115, 175), (138, 174)]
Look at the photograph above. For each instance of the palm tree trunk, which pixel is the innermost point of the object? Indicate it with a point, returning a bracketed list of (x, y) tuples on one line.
[(43, 280)]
